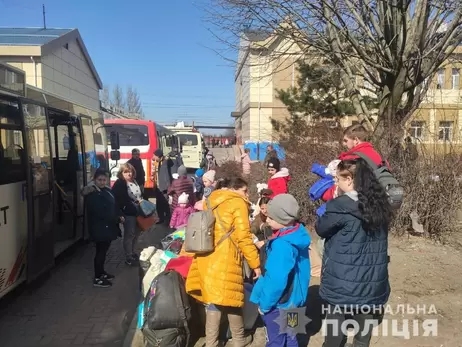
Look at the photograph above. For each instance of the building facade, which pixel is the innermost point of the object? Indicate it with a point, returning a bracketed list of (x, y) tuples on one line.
[(55, 61), (266, 63)]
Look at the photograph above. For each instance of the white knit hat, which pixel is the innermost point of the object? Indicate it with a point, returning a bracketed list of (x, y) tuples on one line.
[(210, 175), (183, 198), (332, 167)]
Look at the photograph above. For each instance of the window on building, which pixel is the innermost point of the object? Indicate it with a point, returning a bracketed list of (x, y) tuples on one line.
[(445, 130), (455, 79), (416, 129), (440, 79)]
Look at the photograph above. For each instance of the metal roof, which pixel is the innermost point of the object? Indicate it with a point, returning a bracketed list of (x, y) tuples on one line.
[(29, 36)]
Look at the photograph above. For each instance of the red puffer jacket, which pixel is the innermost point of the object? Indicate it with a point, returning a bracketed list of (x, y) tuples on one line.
[(181, 185), (278, 182)]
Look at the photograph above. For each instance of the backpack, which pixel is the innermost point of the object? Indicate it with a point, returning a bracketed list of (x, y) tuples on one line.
[(167, 311), (200, 231), (391, 185)]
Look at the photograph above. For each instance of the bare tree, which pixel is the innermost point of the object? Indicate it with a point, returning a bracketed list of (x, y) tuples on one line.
[(105, 97), (118, 97), (133, 102), (395, 44)]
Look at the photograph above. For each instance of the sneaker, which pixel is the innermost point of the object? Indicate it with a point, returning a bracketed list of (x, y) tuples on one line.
[(107, 276), (129, 261), (101, 282), (135, 257)]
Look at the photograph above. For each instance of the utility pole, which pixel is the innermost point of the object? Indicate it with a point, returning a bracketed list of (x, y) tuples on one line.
[(44, 17)]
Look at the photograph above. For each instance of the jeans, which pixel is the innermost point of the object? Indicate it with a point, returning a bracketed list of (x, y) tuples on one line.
[(130, 236), (100, 257), (334, 334), (236, 325), (273, 332), (163, 208)]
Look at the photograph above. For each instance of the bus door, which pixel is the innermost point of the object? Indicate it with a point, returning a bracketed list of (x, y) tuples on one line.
[(69, 177), (191, 149), (40, 251)]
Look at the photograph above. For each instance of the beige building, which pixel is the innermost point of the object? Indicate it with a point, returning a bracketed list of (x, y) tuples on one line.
[(266, 63), (54, 60)]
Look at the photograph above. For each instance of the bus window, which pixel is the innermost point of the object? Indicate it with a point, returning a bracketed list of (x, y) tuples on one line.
[(188, 140), (39, 146), (132, 135), (12, 155)]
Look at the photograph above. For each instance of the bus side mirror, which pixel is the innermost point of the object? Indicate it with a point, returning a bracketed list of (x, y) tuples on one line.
[(114, 140), (115, 155)]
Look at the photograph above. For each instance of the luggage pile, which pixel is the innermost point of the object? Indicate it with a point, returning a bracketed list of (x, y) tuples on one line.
[(164, 315)]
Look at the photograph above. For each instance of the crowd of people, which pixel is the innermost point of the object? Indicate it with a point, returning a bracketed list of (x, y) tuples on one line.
[(273, 245)]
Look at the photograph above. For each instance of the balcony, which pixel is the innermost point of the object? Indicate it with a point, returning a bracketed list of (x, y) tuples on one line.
[(443, 96)]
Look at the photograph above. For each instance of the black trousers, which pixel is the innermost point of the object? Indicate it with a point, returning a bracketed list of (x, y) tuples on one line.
[(100, 257), (163, 208), (335, 337)]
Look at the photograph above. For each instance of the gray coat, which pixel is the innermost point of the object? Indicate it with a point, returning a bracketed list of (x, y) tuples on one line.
[(166, 168)]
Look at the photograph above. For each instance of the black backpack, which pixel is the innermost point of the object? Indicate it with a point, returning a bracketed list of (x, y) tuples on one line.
[(391, 185), (167, 311)]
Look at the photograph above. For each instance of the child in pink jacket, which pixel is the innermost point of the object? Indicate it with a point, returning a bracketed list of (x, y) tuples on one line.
[(182, 212), (245, 159)]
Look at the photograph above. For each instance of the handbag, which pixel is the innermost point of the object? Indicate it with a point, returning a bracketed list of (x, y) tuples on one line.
[(146, 208), (144, 223)]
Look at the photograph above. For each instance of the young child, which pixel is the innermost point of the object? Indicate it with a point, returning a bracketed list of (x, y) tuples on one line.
[(209, 185), (279, 177), (285, 271), (199, 184), (245, 160), (355, 140), (182, 212)]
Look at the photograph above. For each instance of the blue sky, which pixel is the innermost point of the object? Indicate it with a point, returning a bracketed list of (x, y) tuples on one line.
[(186, 79)]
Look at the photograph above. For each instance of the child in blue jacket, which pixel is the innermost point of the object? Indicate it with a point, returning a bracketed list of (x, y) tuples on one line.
[(285, 277)]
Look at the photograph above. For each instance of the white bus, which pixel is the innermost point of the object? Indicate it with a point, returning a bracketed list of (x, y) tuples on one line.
[(192, 148), (46, 156)]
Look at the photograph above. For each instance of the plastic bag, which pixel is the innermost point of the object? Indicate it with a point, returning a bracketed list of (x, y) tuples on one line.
[(147, 208)]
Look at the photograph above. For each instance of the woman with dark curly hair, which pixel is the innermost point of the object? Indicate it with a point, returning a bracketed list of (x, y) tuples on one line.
[(354, 279)]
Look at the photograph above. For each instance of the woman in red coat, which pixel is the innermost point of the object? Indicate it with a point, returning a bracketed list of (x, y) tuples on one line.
[(279, 177)]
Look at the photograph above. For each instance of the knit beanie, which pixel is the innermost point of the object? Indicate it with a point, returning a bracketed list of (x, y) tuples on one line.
[(332, 167), (182, 171), (210, 175), (183, 198), (274, 163), (199, 172), (283, 208)]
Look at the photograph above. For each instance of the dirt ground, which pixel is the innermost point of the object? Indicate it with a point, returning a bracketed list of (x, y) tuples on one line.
[(421, 273)]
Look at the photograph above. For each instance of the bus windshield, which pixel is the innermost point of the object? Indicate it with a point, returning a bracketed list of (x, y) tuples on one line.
[(130, 134)]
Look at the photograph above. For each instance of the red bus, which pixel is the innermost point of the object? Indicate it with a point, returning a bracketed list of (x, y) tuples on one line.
[(145, 135)]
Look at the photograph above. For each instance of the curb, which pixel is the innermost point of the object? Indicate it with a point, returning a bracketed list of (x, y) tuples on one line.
[(134, 337)]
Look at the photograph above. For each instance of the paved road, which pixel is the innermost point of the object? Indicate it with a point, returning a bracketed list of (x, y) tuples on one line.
[(66, 310), (223, 154)]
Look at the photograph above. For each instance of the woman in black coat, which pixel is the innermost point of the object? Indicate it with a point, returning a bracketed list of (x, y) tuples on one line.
[(103, 217), (354, 275)]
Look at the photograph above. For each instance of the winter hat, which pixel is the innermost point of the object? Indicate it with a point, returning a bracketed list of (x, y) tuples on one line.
[(274, 163), (199, 173), (332, 167), (210, 175), (182, 171), (283, 208), (183, 198), (158, 153)]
